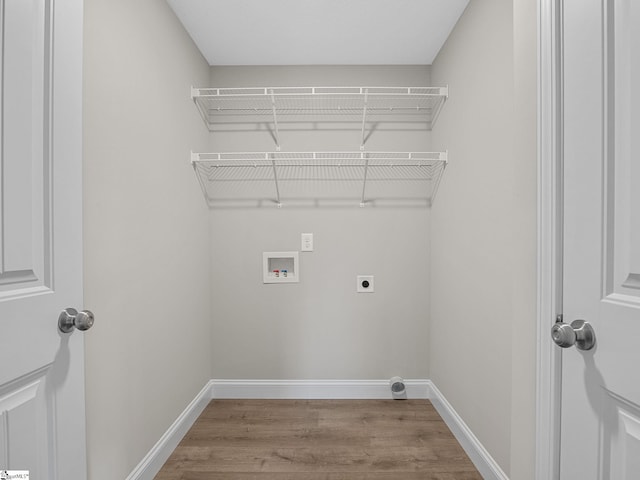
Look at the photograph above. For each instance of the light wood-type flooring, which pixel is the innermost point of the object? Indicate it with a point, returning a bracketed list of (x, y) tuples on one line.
[(319, 440)]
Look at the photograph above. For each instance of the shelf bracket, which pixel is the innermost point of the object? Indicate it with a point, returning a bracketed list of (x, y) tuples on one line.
[(364, 180), (275, 178), (201, 110), (275, 120), (364, 116)]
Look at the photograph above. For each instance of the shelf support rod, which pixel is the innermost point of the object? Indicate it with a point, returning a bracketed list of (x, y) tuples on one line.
[(364, 116), (275, 120), (275, 178), (364, 180)]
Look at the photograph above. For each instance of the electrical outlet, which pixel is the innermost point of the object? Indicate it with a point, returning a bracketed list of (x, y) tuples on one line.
[(307, 242), (364, 284)]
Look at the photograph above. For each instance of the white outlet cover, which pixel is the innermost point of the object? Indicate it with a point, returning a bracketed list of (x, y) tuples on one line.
[(362, 289), (307, 242)]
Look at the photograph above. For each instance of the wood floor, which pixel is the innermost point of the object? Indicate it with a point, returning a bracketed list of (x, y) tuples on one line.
[(319, 440)]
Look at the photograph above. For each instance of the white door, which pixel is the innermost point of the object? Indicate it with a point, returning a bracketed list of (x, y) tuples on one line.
[(41, 369), (600, 430)]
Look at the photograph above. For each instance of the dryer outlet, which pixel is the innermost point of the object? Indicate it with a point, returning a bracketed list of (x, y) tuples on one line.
[(364, 284)]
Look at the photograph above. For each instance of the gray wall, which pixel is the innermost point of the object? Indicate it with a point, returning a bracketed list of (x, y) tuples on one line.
[(321, 328), (178, 291), (146, 233), (483, 229), (524, 230)]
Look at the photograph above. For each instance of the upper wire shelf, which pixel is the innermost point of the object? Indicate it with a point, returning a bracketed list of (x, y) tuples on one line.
[(299, 177), (363, 105)]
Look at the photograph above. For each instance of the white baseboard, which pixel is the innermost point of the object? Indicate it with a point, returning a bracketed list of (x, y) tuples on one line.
[(484, 462), (315, 389), (158, 455)]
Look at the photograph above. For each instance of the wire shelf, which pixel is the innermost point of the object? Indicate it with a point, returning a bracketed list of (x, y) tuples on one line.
[(360, 105), (368, 177)]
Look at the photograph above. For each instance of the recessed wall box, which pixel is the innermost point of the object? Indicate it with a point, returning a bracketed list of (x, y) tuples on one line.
[(280, 267)]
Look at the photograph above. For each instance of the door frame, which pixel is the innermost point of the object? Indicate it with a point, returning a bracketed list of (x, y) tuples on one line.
[(550, 241)]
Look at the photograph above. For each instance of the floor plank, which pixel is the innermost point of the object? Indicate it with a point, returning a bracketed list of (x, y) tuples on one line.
[(319, 440)]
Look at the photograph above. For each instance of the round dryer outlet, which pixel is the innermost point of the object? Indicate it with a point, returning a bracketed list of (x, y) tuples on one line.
[(364, 284)]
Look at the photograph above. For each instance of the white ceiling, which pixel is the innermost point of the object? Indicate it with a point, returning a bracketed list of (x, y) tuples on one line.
[(319, 32)]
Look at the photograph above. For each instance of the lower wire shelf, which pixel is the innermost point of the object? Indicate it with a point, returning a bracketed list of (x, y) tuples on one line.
[(319, 178)]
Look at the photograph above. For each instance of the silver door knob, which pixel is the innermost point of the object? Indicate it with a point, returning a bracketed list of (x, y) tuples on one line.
[(579, 333), (70, 318)]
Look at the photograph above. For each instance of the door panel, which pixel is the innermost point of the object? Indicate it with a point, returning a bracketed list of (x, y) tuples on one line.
[(41, 369), (19, 421), (624, 440), (25, 157), (623, 221), (600, 433)]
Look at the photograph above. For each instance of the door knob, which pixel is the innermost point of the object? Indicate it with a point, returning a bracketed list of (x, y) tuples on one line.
[(70, 318), (578, 333)]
